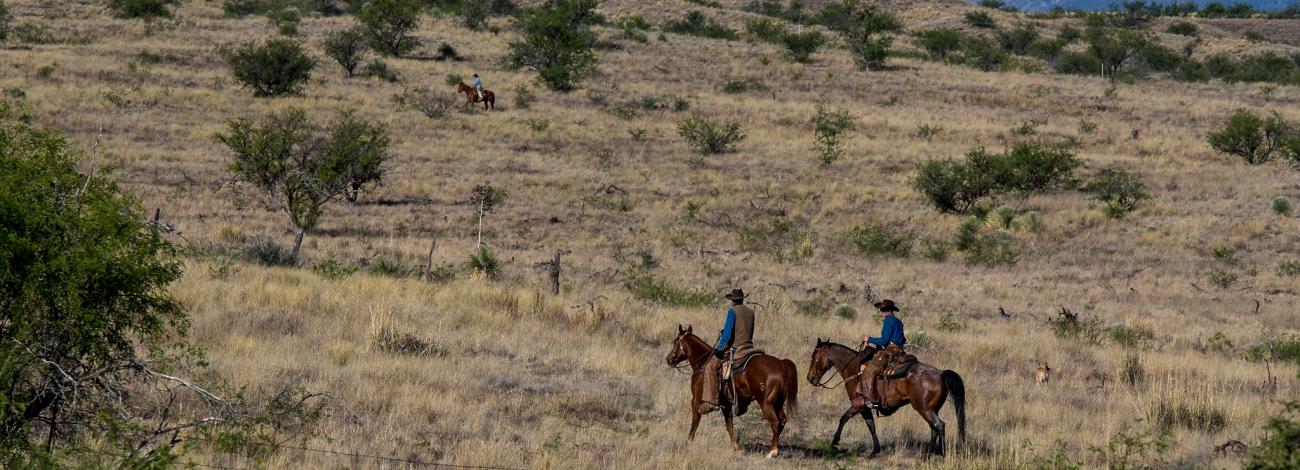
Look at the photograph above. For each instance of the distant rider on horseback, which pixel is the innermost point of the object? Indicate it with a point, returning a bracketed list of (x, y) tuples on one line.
[(738, 336), (478, 86), (891, 336)]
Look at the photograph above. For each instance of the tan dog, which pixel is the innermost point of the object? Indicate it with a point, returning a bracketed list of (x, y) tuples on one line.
[(1043, 373)]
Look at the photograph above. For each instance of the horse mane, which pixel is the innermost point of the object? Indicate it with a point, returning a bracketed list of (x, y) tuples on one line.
[(838, 345)]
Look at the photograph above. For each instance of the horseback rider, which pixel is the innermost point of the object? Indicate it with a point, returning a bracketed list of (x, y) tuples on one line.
[(891, 337), (737, 337), (478, 86)]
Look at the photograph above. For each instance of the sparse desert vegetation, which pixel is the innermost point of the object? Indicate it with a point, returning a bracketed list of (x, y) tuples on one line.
[(1108, 194)]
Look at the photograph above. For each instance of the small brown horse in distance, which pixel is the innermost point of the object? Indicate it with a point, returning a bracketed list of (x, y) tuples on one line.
[(772, 382), (925, 387), (489, 99)]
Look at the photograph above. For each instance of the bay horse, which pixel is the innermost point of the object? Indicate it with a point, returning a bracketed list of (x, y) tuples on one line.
[(771, 382), (925, 387), (489, 99)]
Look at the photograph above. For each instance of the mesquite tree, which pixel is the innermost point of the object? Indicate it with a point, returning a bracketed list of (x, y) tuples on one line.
[(298, 167)]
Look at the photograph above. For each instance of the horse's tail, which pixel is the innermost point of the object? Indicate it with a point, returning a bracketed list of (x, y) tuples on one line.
[(957, 387), (790, 381)]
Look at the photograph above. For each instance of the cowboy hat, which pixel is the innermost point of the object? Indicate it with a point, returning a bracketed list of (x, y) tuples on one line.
[(886, 306), (736, 294)]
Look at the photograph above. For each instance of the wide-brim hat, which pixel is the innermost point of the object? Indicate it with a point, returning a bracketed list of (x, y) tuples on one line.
[(886, 306), (735, 294)]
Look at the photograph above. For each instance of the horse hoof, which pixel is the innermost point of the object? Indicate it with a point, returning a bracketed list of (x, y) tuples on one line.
[(771, 454)]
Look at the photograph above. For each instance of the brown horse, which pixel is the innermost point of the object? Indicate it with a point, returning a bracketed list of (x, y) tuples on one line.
[(772, 382), (925, 387), (489, 99)]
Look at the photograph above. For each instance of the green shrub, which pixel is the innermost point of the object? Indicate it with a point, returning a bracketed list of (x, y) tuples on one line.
[(1280, 450), (145, 9), (871, 240), (766, 30), (828, 126), (6, 21), (997, 249), (1198, 416), (332, 269), (940, 43), (1125, 451), (347, 47), (955, 186), (820, 303), (950, 185), (948, 323), (556, 42), (431, 104), (1222, 278), (1118, 189), (382, 265), (277, 67), (801, 46), (1184, 28), (1129, 337), (1254, 138), (485, 262), (524, 96), (1288, 268), (1068, 325), (710, 137), (845, 311), (266, 252), (741, 86), (980, 19), (388, 25), (1032, 167), (645, 286), (1018, 39), (775, 234), (984, 55), (379, 69), (935, 250), (1079, 63), (696, 24)]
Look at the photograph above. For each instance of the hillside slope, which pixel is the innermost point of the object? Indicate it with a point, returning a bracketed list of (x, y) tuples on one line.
[(524, 379)]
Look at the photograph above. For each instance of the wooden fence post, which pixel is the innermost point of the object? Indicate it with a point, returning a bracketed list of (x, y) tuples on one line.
[(555, 274)]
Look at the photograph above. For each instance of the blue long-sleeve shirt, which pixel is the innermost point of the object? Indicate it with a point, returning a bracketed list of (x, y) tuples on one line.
[(477, 82), (891, 332), (724, 339)]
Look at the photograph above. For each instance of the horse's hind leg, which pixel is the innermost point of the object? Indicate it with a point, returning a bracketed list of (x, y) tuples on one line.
[(871, 425), (936, 430), (778, 424)]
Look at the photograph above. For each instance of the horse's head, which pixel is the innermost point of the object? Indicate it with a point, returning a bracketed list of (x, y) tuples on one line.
[(679, 352), (820, 360)]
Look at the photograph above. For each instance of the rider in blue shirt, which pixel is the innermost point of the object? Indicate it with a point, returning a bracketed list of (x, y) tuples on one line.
[(478, 86), (891, 333)]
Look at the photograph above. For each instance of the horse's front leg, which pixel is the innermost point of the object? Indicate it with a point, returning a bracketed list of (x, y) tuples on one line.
[(835, 441), (695, 424)]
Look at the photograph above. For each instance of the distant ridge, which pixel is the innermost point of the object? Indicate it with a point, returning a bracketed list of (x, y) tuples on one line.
[(1105, 5)]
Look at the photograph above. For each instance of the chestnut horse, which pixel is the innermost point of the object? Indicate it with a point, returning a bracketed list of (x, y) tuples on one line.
[(925, 387), (489, 99), (772, 382)]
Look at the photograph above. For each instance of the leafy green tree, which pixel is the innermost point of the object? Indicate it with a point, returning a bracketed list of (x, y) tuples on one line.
[(85, 307), (146, 9), (388, 25), (867, 34), (940, 43), (277, 67), (298, 167), (1115, 47), (828, 126), (1254, 138), (556, 41), (347, 47)]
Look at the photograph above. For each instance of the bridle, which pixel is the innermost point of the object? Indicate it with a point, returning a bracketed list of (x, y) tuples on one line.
[(682, 367), (840, 373)]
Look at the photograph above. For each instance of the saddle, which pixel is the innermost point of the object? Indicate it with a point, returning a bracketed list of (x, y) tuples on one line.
[(737, 364), (898, 368)]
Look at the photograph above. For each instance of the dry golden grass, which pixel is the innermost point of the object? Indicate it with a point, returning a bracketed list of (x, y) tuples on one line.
[(522, 379)]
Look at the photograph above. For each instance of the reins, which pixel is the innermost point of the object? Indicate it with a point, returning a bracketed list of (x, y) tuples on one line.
[(843, 379)]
